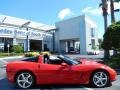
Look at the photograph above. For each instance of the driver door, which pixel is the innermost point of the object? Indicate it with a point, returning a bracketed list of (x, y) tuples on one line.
[(59, 74), (69, 74), (49, 74)]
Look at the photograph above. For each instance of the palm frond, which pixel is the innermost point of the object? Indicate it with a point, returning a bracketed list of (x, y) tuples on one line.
[(100, 4), (116, 0)]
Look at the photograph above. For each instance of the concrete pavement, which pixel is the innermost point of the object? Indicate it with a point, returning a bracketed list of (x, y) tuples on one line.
[(5, 85)]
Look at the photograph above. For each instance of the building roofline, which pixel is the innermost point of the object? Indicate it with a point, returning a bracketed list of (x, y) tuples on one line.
[(87, 18), (18, 26), (9, 20), (70, 18)]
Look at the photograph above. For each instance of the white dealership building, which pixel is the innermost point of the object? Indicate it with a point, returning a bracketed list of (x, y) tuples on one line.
[(78, 34), (31, 35)]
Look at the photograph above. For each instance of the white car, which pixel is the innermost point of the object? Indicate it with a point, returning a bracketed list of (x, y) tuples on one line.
[(93, 52)]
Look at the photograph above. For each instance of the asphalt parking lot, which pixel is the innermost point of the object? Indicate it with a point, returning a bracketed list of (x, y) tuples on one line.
[(5, 85)]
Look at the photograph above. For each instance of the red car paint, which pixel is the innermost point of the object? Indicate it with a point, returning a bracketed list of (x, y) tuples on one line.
[(58, 74)]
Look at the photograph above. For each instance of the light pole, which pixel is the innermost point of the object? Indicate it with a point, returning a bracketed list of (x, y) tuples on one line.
[(8, 46), (25, 25), (52, 31), (53, 34)]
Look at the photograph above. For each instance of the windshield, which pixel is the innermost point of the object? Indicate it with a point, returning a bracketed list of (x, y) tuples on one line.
[(68, 60)]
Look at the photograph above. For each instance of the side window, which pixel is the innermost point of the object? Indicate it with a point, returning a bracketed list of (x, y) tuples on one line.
[(92, 32), (48, 60), (56, 61)]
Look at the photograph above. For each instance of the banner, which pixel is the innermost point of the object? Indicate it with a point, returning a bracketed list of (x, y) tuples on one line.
[(13, 33)]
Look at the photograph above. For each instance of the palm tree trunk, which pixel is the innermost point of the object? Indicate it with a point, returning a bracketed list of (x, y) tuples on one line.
[(112, 21), (112, 11), (106, 52), (105, 22), (104, 9)]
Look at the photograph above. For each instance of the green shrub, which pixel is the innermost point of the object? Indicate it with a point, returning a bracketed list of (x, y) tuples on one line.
[(3, 54), (114, 62), (17, 49), (10, 54)]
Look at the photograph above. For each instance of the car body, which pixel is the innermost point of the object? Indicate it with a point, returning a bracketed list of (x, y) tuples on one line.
[(93, 52), (59, 70)]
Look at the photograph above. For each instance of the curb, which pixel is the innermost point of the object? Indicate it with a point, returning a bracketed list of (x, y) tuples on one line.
[(11, 57)]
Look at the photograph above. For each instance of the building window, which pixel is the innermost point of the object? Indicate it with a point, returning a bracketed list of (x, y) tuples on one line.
[(92, 32), (93, 43)]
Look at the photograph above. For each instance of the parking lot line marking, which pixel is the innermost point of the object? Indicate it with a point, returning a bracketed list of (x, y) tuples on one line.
[(88, 88), (3, 61)]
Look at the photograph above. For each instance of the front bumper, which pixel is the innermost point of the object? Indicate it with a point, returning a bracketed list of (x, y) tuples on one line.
[(10, 76), (113, 75)]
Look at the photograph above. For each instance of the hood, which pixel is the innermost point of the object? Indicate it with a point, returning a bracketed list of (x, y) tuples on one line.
[(89, 62)]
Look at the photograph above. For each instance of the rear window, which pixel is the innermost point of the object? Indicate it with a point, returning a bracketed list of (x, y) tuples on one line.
[(31, 59)]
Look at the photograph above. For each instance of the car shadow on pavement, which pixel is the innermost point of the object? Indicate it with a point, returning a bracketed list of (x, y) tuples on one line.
[(58, 87), (6, 85)]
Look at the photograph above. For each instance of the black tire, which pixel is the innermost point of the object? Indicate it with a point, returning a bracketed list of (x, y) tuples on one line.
[(28, 80), (97, 81)]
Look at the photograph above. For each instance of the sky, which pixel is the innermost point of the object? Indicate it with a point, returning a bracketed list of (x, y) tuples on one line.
[(51, 11)]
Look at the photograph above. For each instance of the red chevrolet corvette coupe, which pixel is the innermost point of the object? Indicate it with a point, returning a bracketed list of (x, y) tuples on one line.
[(59, 70)]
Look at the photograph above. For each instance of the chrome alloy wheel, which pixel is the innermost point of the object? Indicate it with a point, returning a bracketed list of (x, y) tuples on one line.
[(24, 80), (100, 79)]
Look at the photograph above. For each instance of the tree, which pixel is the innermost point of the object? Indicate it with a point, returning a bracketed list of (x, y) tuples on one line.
[(113, 16), (112, 10), (105, 13), (104, 4), (112, 37), (116, 10)]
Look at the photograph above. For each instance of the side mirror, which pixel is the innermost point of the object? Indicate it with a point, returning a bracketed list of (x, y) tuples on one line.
[(64, 64)]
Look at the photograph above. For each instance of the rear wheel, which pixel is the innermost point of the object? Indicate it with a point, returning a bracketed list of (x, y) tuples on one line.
[(25, 80), (100, 79)]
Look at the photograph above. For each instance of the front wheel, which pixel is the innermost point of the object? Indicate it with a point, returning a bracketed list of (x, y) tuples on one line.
[(25, 80), (100, 79)]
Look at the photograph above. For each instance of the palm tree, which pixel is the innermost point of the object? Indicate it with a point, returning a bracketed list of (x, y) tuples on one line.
[(113, 17), (112, 11), (116, 10), (104, 6), (105, 13), (104, 9)]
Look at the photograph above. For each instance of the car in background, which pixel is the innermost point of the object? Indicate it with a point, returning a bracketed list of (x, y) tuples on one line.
[(59, 70), (93, 52)]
